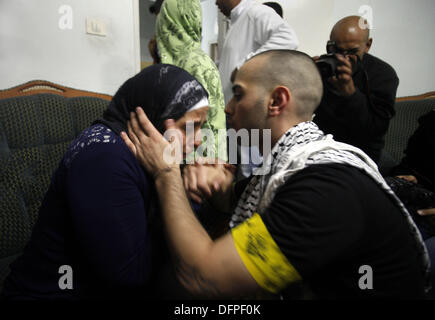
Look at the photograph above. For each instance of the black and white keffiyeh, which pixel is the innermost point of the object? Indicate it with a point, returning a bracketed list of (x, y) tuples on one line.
[(301, 146)]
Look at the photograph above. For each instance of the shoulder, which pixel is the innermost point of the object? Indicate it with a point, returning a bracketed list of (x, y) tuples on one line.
[(375, 64), (259, 14), (337, 174), (260, 11), (327, 201), (97, 145), (323, 192)]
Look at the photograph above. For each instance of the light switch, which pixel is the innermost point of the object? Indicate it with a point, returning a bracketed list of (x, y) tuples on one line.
[(96, 27)]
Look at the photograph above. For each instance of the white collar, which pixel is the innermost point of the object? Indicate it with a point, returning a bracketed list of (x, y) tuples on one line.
[(237, 11)]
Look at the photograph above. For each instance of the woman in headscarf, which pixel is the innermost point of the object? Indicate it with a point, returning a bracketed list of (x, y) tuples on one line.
[(178, 33), (98, 233)]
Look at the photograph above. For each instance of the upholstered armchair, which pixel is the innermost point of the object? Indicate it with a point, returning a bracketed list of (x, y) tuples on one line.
[(402, 126), (38, 121)]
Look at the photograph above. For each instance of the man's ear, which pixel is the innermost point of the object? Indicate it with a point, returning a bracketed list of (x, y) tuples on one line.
[(279, 100), (368, 45)]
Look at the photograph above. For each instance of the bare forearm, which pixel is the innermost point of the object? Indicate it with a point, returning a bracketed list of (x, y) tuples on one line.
[(189, 241)]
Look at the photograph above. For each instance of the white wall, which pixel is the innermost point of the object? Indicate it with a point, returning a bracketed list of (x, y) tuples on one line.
[(402, 35), (209, 24), (147, 29), (32, 45)]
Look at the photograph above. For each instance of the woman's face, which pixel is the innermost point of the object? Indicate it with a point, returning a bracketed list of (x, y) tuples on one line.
[(191, 120)]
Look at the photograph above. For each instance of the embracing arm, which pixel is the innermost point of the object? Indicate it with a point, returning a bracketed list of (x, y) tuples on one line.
[(204, 267)]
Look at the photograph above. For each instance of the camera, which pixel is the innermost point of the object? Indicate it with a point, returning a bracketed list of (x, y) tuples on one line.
[(327, 65)]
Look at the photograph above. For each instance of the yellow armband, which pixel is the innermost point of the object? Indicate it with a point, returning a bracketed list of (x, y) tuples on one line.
[(262, 256)]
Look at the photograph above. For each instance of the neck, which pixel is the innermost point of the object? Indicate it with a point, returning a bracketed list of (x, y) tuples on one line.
[(282, 129), (278, 131)]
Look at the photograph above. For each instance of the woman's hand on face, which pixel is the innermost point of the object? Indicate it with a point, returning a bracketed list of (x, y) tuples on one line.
[(149, 146)]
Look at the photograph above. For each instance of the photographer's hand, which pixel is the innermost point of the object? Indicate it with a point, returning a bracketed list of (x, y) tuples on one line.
[(343, 83)]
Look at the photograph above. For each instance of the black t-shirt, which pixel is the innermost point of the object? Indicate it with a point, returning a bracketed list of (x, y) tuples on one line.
[(328, 221)]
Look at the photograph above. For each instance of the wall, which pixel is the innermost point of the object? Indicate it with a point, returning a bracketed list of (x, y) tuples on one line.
[(147, 27), (402, 34), (33, 46), (209, 24)]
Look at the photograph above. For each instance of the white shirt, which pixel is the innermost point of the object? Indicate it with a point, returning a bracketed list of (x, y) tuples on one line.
[(254, 28)]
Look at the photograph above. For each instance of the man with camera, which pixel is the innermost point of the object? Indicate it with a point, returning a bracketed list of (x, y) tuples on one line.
[(359, 89)]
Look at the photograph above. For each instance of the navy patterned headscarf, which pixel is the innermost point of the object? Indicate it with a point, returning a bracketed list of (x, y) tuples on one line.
[(163, 91)]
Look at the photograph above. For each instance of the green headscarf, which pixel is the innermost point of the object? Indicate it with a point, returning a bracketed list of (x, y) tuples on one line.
[(178, 33)]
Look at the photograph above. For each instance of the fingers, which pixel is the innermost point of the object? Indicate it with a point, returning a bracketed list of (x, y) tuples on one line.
[(169, 124), (200, 181), (230, 167), (344, 60), (344, 72), (202, 184), (344, 77), (409, 178), (426, 212), (185, 179), (189, 179), (134, 129), (206, 161), (191, 183), (128, 142), (195, 197), (345, 69), (145, 123), (131, 134)]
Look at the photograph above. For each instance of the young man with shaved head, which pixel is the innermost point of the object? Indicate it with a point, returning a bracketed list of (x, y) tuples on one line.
[(358, 101), (321, 213)]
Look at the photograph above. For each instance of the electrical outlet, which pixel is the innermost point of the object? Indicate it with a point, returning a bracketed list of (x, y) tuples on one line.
[(96, 27)]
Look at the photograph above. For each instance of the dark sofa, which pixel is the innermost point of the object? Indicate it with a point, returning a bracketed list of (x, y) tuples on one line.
[(38, 121), (402, 126)]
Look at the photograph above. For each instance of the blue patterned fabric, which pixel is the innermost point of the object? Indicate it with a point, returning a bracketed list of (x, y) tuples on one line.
[(95, 219)]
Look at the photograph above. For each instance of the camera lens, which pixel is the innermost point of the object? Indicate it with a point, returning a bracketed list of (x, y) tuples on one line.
[(327, 65)]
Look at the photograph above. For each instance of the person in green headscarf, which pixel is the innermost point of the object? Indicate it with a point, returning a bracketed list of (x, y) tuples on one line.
[(178, 33)]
